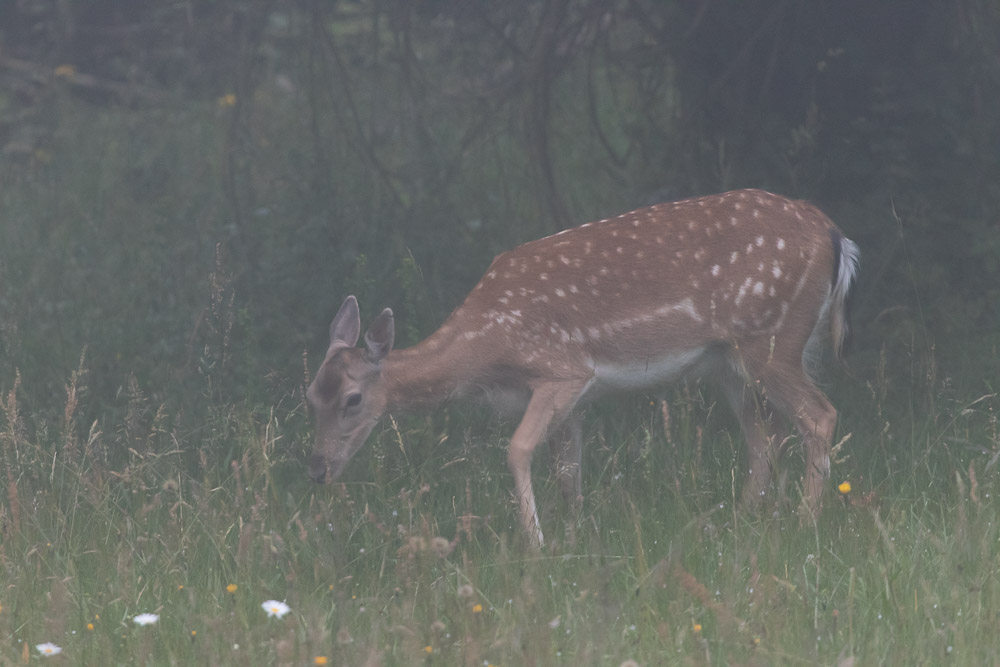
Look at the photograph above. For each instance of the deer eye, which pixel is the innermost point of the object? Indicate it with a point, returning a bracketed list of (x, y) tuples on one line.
[(353, 401)]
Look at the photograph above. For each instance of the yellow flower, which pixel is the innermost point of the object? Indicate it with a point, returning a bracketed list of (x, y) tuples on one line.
[(194, 633), (697, 627), (180, 587), (227, 100), (844, 487), (477, 608), (428, 649), (232, 588), (319, 660), (65, 71), (90, 626)]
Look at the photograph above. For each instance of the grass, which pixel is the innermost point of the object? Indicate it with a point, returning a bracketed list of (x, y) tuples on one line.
[(417, 559)]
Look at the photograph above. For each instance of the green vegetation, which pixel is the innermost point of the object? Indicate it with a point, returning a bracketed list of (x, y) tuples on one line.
[(187, 196)]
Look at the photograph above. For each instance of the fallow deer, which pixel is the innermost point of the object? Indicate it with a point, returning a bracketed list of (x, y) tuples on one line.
[(737, 288)]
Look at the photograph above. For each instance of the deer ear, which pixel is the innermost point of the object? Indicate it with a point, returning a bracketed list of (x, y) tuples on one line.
[(378, 338), (346, 325)]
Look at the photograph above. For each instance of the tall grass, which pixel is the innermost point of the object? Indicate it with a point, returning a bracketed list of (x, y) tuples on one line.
[(417, 558)]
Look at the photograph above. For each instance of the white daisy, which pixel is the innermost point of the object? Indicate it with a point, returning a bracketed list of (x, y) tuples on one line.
[(48, 648), (274, 608), (146, 619)]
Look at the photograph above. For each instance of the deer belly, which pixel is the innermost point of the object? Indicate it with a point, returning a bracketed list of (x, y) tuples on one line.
[(630, 374)]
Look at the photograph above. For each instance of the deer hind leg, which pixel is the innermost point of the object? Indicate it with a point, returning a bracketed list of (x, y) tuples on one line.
[(790, 391), (549, 405), (567, 457), (764, 432)]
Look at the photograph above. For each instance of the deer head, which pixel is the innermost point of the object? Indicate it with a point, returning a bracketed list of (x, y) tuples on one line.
[(347, 396)]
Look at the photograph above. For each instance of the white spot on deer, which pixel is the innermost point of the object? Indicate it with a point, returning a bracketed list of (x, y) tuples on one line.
[(594, 333), (738, 206), (694, 283), (564, 259), (512, 262), (491, 275), (758, 289), (635, 223), (780, 243), (742, 291), (659, 240), (543, 276), (634, 237), (543, 298), (560, 292), (699, 253), (620, 250), (573, 289), (508, 293), (760, 266), (586, 247), (776, 269), (715, 270), (603, 271), (759, 241), (733, 220), (578, 336), (504, 300), (733, 256), (615, 233), (560, 244), (594, 292), (770, 290), (691, 223), (538, 258), (749, 248), (756, 213)]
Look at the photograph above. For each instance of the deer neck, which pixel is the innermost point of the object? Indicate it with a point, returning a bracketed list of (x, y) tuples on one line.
[(429, 373)]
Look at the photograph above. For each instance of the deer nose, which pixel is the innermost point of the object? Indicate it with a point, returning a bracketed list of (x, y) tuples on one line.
[(317, 468)]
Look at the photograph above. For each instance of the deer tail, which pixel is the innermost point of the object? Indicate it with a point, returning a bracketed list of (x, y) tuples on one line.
[(846, 260)]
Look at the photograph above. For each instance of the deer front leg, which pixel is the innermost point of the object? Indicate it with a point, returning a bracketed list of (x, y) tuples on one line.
[(549, 405)]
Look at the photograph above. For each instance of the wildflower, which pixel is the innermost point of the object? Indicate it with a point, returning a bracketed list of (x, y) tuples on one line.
[(477, 608), (231, 588), (194, 633), (697, 627), (465, 591), (274, 608), (319, 660), (844, 488), (428, 649), (48, 648), (227, 100), (90, 626), (441, 546), (146, 619)]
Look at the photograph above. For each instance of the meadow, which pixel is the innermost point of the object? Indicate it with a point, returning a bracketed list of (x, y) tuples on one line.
[(166, 283), (417, 558)]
